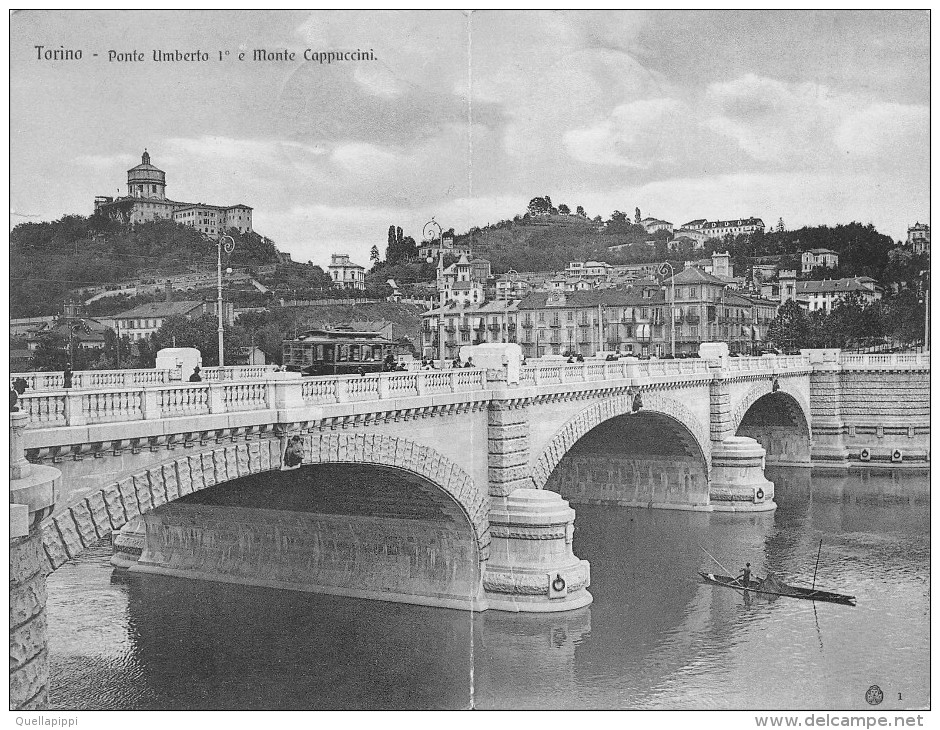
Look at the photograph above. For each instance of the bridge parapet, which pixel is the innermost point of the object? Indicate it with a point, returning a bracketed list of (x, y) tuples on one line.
[(88, 379)]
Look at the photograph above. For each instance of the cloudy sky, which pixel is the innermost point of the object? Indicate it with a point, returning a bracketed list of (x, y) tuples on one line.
[(812, 117)]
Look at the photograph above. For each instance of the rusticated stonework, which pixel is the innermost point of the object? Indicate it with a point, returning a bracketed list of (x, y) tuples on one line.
[(68, 533), (591, 417), (764, 387)]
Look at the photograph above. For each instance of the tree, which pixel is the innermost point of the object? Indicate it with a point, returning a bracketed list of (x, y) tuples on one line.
[(51, 352), (580, 211), (374, 256), (636, 218), (564, 209), (790, 330), (540, 206), (780, 227), (201, 333)]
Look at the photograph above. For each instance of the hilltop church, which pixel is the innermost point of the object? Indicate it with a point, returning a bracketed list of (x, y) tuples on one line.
[(146, 201)]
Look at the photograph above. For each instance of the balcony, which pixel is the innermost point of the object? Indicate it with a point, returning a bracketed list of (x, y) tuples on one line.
[(495, 328), (465, 328), (555, 325), (526, 325), (450, 328), (693, 319)]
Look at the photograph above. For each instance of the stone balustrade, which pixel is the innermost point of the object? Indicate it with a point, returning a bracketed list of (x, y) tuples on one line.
[(889, 361), (145, 394), (87, 379)]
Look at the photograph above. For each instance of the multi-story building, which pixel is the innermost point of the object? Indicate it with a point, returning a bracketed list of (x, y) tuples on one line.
[(142, 321), (446, 245), (826, 294), (345, 274), (918, 237), (146, 201), (456, 325), (597, 270), (457, 284), (819, 257), (587, 322), (655, 224), (707, 309), (781, 288), (510, 286), (719, 229)]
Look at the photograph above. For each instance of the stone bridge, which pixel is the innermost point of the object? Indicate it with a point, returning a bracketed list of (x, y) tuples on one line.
[(447, 488)]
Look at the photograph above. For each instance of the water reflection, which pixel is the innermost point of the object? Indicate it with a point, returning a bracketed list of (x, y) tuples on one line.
[(656, 636)]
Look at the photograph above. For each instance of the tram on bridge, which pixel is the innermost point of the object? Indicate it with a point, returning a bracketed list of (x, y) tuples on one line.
[(339, 351)]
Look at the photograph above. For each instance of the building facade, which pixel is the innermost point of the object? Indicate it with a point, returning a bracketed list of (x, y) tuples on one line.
[(707, 309), (345, 274), (456, 325), (146, 201), (141, 322), (587, 322), (819, 257), (719, 229), (826, 294), (918, 237)]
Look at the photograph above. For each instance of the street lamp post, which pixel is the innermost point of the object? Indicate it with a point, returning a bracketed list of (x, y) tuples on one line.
[(672, 307), (510, 278), (428, 233), (229, 246)]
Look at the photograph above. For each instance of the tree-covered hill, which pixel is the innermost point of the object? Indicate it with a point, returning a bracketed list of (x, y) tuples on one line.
[(49, 259)]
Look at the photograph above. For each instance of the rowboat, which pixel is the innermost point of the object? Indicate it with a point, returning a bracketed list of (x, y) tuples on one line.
[(775, 587)]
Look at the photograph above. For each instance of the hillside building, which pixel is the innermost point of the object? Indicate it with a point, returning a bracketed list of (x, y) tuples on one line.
[(345, 274), (826, 294), (146, 201), (819, 257), (918, 237)]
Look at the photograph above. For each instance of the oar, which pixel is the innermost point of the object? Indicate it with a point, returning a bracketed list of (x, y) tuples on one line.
[(817, 563), (722, 567)]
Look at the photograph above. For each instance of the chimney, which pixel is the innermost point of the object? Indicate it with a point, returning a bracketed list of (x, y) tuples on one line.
[(168, 291)]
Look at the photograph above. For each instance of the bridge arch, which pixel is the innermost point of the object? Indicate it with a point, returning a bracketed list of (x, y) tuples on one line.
[(764, 387), (654, 402), (778, 419), (94, 515)]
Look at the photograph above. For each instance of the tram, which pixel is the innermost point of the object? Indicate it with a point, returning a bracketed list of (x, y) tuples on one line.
[(339, 351)]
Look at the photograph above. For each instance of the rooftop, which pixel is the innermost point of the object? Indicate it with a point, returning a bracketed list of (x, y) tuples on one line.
[(160, 309)]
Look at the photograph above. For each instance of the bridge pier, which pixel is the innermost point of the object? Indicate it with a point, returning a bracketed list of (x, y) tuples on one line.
[(737, 481), (531, 566), (32, 498)]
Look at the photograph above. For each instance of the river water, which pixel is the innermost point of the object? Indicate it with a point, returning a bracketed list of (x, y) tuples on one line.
[(656, 636)]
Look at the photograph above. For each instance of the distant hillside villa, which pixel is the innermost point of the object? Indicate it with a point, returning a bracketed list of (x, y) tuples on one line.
[(345, 274), (146, 201)]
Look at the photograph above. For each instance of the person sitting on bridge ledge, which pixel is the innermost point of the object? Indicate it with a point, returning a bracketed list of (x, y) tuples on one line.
[(469, 363), (580, 357), (457, 363), (67, 376), (570, 359), (195, 377)]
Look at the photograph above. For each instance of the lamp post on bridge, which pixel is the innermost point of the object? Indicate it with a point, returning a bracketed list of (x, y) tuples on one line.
[(428, 233), (229, 246), (672, 306), (510, 278)]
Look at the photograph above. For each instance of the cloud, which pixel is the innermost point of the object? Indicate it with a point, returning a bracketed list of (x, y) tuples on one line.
[(886, 130), (774, 121), (637, 134), (102, 162)]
